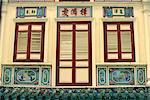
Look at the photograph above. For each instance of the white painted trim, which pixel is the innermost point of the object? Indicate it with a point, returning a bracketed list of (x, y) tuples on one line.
[(29, 20), (135, 76), (113, 19), (2, 31), (40, 75), (114, 86), (120, 64), (27, 64), (74, 19), (71, 87)]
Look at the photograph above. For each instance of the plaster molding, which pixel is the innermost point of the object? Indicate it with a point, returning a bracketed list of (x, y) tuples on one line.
[(117, 19), (148, 82), (74, 19), (29, 20)]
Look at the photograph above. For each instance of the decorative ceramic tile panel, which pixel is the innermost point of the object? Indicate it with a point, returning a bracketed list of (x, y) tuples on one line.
[(121, 76), (45, 79), (74, 11), (31, 12), (26, 76), (118, 11), (101, 76), (7, 75), (141, 76)]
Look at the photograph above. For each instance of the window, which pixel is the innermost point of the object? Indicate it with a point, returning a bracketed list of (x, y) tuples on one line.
[(74, 54), (29, 42), (119, 42)]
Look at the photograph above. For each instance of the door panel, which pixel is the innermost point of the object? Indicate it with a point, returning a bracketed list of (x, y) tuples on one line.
[(65, 75), (74, 54), (82, 75)]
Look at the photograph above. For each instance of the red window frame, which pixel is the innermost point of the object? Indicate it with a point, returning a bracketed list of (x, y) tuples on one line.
[(120, 59), (74, 54), (28, 59)]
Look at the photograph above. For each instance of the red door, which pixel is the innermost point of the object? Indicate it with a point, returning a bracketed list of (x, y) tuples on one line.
[(74, 54)]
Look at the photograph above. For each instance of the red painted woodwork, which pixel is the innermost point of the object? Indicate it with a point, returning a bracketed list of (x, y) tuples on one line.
[(74, 83), (120, 52), (28, 52)]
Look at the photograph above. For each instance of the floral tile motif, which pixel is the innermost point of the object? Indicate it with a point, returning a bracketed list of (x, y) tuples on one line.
[(7, 75), (45, 79), (116, 75), (101, 76), (26, 76), (121, 76), (141, 76)]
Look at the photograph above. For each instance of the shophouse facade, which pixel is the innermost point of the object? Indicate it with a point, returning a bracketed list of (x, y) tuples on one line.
[(75, 43)]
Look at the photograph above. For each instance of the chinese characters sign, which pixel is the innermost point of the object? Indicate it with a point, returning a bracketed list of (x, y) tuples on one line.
[(73, 12), (118, 11), (31, 12)]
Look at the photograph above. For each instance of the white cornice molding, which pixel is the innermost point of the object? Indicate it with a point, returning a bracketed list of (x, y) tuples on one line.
[(74, 3), (117, 19), (74, 19), (30, 20), (146, 11), (4, 8), (146, 3)]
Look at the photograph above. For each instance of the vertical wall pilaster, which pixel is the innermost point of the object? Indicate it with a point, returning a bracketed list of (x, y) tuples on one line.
[(147, 38), (2, 27)]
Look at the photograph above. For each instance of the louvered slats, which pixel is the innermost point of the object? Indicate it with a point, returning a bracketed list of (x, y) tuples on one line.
[(120, 41), (73, 53), (22, 42), (81, 45), (65, 45), (29, 42), (35, 42)]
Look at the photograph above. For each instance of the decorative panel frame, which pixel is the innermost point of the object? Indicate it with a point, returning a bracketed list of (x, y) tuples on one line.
[(101, 79), (141, 75), (27, 75), (74, 11), (46, 76), (7, 75), (118, 11), (121, 75), (38, 12)]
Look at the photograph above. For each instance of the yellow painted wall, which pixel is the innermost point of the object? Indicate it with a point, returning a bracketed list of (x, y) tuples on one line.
[(51, 36)]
